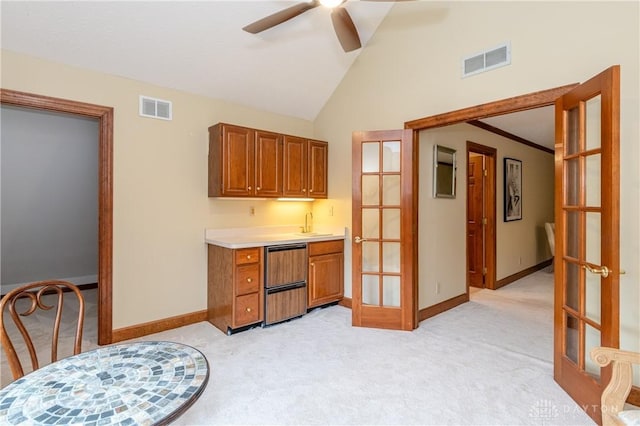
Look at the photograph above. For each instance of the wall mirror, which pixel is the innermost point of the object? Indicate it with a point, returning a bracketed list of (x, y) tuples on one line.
[(444, 172)]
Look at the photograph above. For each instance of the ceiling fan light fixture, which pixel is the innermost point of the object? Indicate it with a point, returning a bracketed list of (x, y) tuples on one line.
[(331, 3)]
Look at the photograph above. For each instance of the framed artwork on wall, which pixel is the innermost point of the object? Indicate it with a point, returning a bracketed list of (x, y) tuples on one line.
[(512, 189)]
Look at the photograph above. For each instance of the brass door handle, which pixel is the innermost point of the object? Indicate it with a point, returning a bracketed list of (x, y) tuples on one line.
[(358, 240), (597, 270), (600, 270)]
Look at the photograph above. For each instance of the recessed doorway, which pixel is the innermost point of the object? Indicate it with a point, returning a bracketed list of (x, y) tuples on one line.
[(481, 216)]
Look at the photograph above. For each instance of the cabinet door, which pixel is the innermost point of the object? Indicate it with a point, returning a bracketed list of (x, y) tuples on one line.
[(237, 161), (268, 164), (326, 280), (317, 174), (295, 167)]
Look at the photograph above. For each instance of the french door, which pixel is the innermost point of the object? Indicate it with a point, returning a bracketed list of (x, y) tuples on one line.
[(385, 230), (587, 261)]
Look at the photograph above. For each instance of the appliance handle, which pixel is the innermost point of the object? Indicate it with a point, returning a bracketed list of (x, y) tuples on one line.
[(286, 287), (283, 247)]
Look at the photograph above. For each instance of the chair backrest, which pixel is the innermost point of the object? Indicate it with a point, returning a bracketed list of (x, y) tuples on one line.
[(617, 390), (33, 296), (550, 228)]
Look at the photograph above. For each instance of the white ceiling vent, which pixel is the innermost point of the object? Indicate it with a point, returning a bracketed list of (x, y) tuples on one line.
[(489, 59), (155, 108)]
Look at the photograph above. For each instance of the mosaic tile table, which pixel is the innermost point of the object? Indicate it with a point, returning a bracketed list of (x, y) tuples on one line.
[(145, 383)]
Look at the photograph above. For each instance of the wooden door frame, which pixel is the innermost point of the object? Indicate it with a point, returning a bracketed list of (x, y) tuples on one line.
[(104, 115), (490, 207)]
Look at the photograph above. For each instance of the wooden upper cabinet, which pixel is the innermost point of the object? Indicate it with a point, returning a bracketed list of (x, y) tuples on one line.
[(318, 152), (231, 161), (295, 167), (246, 162), (268, 164), (305, 168)]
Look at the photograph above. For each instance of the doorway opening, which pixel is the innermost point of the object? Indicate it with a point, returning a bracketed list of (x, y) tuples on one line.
[(481, 216), (104, 115)]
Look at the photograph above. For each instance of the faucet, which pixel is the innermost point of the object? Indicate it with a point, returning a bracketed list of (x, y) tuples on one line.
[(308, 218)]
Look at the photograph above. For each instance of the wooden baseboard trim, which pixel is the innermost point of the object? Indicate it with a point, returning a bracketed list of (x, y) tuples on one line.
[(147, 328), (346, 302), (634, 396), (522, 274), (439, 308)]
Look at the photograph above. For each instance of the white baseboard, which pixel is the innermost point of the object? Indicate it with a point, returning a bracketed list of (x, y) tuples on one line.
[(85, 279)]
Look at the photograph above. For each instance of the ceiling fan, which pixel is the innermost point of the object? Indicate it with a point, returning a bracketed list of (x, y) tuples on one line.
[(342, 22)]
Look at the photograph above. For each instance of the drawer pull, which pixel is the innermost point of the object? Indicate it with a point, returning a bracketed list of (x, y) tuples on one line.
[(249, 280), (248, 256), (248, 309)]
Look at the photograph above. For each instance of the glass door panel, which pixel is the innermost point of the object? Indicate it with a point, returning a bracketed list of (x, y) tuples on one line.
[(593, 129), (370, 157), (370, 289), (391, 290), (391, 224), (370, 190)]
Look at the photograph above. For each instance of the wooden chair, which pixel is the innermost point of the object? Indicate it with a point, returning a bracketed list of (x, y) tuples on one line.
[(34, 293), (616, 393)]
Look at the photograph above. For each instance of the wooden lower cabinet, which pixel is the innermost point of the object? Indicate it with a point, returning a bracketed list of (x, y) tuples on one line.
[(325, 283), (234, 291)]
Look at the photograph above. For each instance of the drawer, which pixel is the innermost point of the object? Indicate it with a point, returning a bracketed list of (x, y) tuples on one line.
[(247, 279), (248, 255), (325, 247), (247, 309)]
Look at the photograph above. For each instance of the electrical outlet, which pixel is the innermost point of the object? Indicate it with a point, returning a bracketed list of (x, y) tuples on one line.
[(252, 211), (438, 288)]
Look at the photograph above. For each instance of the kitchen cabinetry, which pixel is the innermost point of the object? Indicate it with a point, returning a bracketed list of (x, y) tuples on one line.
[(325, 283), (244, 162), (235, 291), (305, 168)]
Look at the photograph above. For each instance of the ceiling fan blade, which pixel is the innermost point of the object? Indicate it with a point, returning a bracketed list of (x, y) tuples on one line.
[(280, 17), (345, 29)]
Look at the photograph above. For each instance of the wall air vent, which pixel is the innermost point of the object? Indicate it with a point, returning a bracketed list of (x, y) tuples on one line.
[(489, 59), (155, 108)]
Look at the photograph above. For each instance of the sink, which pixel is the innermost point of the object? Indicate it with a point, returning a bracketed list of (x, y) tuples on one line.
[(312, 234)]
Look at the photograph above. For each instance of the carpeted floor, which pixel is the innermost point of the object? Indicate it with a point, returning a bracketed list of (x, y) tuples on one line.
[(487, 362)]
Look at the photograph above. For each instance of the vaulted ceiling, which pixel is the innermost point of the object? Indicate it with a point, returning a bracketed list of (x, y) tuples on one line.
[(199, 47)]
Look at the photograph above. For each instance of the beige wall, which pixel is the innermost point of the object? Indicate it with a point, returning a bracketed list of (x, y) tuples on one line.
[(160, 184), (442, 222), (411, 69)]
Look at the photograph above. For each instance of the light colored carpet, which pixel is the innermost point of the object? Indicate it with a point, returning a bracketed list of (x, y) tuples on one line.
[(487, 362)]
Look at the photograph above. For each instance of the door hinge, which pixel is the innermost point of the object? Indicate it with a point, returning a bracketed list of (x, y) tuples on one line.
[(484, 271), (484, 221), (484, 172)]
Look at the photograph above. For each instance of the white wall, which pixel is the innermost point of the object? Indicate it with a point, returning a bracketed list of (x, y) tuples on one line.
[(49, 218), (411, 69)]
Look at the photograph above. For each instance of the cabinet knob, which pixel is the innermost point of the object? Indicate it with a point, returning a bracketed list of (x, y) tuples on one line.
[(248, 256), (257, 188), (248, 188), (249, 280), (248, 309), (312, 264), (304, 190), (311, 190)]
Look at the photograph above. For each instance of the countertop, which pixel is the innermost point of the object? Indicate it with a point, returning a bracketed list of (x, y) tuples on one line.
[(261, 236)]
